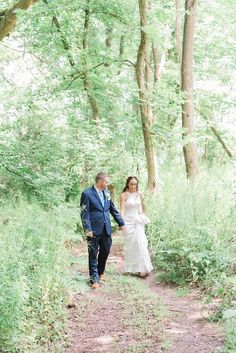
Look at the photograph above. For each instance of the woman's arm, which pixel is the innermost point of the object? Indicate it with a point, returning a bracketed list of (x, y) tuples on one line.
[(116, 215), (122, 204)]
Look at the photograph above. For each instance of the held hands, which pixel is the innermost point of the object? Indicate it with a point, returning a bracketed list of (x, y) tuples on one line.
[(122, 228)]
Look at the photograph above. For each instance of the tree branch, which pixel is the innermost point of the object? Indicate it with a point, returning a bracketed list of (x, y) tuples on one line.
[(221, 141), (65, 44), (8, 17)]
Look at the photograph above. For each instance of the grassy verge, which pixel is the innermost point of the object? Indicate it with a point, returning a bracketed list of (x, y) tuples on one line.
[(230, 331), (33, 277)]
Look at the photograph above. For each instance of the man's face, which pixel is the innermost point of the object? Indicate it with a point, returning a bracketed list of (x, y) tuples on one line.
[(103, 184)]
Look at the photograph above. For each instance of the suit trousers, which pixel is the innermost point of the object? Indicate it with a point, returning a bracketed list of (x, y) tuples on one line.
[(98, 251)]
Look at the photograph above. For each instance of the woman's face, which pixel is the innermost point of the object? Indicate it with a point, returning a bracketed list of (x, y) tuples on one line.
[(133, 185)]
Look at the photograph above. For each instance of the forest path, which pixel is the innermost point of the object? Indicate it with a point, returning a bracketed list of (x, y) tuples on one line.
[(128, 314)]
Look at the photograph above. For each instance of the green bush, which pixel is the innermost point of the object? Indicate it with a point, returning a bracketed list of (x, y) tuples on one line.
[(193, 239), (33, 281), (230, 330), (192, 235)]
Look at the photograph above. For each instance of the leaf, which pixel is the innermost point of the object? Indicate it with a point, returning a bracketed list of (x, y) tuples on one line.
[(229, 313)]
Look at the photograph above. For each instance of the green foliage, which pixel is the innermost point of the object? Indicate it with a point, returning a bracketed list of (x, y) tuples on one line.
[(33, 282), (51, 148), (230, 345), (193, 235), (33, 159)]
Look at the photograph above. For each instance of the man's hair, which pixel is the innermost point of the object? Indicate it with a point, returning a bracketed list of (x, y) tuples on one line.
[(100, 176)]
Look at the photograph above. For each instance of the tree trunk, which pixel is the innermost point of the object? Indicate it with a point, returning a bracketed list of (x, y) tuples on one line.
[(149, 86), (108, 37), (112, 190), (86, 80), (178, 30), (143, 74), (190, 148), (108, 41), (159, 59), (121, 53), (121, 48), (8, 17)]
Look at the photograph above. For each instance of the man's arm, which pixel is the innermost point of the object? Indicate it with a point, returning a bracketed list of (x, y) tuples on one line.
[(115, 214), (84, 213)]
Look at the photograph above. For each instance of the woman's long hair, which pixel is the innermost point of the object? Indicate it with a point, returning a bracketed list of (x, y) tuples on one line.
[(127, 183)]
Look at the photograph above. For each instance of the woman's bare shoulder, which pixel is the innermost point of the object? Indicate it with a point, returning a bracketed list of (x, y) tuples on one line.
[(123, 195)]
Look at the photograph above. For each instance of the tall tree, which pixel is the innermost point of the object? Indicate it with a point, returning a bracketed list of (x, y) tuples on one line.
[(190, 148), (86, 80), (144, 82)]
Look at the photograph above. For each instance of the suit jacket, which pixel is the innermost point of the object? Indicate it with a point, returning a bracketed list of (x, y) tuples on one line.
[(94, 216)]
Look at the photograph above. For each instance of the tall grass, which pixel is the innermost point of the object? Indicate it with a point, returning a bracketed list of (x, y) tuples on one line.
[(32, 281), (193, 233)]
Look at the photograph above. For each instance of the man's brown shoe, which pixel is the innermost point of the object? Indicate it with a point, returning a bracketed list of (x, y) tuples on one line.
[(94, 285), (143, 274), (102, 278)]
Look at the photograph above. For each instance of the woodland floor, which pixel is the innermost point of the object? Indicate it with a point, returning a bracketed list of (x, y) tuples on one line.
[(128, 314)]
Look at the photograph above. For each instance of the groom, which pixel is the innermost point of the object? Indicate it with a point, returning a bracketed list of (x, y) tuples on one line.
[(96, 206)]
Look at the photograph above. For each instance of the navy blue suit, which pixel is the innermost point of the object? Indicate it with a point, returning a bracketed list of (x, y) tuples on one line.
[(96, 218)]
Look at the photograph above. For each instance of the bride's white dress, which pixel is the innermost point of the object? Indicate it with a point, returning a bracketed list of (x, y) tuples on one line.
[(136, 253)]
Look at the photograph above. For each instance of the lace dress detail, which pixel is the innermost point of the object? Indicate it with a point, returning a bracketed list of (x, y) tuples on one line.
[(137, 258)]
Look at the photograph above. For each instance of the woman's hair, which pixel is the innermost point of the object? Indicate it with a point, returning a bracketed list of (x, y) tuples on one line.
[(127, 182)]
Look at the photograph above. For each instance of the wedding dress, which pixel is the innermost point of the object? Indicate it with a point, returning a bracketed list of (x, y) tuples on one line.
[(136, 253)]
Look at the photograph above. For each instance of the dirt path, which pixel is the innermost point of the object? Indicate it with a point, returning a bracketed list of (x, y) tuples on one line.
[(128, 314), (187, 321)]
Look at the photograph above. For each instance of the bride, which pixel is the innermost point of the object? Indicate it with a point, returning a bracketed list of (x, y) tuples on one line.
[(137, 259)]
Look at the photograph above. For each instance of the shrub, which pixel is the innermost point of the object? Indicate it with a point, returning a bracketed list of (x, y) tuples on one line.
[(33, 281), (192, 235)]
